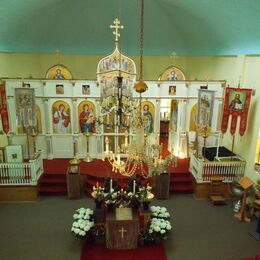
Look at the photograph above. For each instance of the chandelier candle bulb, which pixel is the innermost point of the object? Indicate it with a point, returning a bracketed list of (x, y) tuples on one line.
[(126, 140), (107, 143), (134, 184), (111, 185), (118, 156)]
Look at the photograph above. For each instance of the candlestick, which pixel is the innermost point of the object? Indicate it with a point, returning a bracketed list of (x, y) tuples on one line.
[(134, 184)]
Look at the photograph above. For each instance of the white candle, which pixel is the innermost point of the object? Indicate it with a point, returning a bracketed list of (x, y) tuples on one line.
[(111, 185), (107, 143), (118, 158), (126, 140), (134, 184)]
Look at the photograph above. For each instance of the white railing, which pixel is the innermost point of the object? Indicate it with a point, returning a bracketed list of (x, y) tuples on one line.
[(229, 170), (21, 173)]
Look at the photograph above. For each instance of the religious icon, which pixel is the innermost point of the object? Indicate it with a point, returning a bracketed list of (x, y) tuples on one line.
[(205, 107), (172, 90), (148, 116), (236, 100), (85, 89), (61, 117), (25, 108), (174, 115), (87, 117), (59, 89), (193, 117), (58, 72), (172, 73)]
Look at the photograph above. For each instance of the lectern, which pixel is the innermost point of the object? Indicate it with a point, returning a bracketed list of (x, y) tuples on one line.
[(245, 183)]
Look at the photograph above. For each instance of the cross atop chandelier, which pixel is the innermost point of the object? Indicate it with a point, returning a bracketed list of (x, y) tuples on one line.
[(116, 26)]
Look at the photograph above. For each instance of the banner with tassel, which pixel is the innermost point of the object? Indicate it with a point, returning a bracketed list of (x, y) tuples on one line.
[(3, 108), (237, 101)]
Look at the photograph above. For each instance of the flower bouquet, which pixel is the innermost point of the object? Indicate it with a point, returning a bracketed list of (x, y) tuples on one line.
[(134, 199), (160, 212), (110, 198), (98, 194), (145, 196), (83, 222), (159, 228)]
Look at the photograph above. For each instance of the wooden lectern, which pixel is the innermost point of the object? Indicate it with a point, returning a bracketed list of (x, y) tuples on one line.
[(245, 183)]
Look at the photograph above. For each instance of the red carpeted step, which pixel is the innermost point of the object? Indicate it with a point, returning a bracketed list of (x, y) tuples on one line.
[(54, 191)]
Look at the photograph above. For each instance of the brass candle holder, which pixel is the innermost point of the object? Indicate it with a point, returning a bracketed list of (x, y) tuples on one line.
[(88, 157)]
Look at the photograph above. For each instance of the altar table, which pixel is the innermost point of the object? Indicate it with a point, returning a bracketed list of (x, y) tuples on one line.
[(121, 234)]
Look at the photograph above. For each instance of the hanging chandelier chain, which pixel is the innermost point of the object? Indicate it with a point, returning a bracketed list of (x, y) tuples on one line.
[(141, 41)]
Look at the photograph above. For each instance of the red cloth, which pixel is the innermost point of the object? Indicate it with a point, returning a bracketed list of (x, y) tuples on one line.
[(236, 108), (3, 109), (99, 252)]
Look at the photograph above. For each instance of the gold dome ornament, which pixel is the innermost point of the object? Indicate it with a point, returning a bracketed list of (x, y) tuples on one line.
[(140, 86)]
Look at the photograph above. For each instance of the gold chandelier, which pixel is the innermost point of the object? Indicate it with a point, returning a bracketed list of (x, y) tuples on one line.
[(139, 153)]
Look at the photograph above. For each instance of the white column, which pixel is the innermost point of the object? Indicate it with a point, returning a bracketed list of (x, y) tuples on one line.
[(75, 124), (47, 119)]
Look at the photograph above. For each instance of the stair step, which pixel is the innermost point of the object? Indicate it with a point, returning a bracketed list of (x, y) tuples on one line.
[(180, 179), (53, 181), (52, 191)]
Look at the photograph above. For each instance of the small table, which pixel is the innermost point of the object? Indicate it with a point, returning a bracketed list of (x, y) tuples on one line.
[(121, 234)]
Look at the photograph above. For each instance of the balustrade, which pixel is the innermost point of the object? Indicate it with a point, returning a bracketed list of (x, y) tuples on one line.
[(21, 173)]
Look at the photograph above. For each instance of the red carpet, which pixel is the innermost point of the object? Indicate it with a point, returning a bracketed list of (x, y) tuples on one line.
[(99, 252)]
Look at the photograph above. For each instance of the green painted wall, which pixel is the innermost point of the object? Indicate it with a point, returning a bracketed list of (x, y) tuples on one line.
[(229, 68)]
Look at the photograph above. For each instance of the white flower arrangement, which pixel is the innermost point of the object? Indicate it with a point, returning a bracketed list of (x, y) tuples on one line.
[(160, 212), (159, 227), (110, 197), (83, 222)]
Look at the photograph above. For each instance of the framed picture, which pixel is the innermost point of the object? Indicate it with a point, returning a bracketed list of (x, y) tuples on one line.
[(85, 89), (172, 90), (2, 155), (14, 154), (59, 89)]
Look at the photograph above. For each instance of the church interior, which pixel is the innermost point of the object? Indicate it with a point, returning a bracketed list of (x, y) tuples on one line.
[(129, 130)]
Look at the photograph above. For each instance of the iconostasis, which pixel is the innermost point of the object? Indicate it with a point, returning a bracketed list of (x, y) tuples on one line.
[(65, 109)]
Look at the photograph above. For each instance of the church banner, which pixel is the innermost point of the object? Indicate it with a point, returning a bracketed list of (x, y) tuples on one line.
[(3, 109), (237, 101), (205, 107), (25, 107)]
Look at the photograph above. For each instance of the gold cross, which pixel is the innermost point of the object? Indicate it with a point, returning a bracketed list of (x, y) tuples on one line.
[(122, 230), (116, 26)]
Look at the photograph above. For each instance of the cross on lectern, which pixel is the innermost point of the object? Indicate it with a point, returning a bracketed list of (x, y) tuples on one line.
[(122, 230), (116, 26)]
